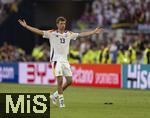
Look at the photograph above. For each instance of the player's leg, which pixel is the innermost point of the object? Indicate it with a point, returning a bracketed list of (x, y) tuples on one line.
[(54, 96), (68, 75), (67, 83), (65, 86), (59, 93), (59, 84)]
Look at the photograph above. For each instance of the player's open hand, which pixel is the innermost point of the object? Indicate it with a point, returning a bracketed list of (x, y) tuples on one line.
[(98, 30), (22, 22)]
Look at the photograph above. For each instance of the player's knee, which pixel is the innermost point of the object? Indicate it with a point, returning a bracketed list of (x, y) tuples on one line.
[(69, 81)]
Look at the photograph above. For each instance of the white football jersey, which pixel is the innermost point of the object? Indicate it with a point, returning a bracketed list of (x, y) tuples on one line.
[(59, 44)]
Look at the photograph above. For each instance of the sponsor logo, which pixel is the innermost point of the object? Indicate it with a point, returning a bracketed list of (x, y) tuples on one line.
[(7, 73), (107, 78), (97, 75), (83, 76), (138, 77), (36, 73)]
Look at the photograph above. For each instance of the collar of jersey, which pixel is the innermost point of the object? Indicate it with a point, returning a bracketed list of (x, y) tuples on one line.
[(61, 33)]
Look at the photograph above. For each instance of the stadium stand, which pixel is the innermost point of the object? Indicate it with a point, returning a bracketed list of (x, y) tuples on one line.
[(122, 42)]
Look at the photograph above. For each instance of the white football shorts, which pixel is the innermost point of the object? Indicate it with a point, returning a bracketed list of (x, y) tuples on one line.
[(61, 68)]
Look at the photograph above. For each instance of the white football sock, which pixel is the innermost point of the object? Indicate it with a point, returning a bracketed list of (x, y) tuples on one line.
[(61, 99), (55, 94)]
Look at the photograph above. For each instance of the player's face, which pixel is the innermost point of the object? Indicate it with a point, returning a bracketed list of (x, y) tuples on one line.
[(61, 25)]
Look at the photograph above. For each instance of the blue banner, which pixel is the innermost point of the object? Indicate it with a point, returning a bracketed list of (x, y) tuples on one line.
[(136, 76), (9, 72)]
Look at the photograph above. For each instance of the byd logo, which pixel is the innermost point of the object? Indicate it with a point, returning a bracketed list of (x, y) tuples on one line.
[(36, 73)]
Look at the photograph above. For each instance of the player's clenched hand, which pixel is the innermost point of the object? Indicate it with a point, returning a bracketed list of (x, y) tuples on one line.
[(98, 30), (22, 22)]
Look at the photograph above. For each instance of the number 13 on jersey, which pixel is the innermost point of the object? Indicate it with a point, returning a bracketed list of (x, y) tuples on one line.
[(62, 40)]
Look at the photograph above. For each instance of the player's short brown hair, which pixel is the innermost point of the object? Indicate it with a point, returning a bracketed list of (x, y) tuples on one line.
[(61, 18)]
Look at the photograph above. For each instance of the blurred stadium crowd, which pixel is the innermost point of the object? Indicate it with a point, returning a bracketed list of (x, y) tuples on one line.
[(12, 53), (7, 7), (129, 50), (112, 46), (115, 13)]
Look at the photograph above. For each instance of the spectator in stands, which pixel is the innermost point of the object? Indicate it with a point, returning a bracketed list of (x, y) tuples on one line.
[(122, 55), (146, 53), (132, 52), (104, 53), (74, 56)]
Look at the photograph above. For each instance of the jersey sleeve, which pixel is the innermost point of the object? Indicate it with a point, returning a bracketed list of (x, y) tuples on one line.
[(46, 34), (73, 36)]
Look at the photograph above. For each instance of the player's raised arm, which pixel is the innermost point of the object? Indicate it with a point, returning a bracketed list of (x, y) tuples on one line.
[(89, 33), (32, 29)]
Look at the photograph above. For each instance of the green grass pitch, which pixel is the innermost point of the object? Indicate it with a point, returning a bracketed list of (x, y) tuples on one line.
[(89, 102)]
